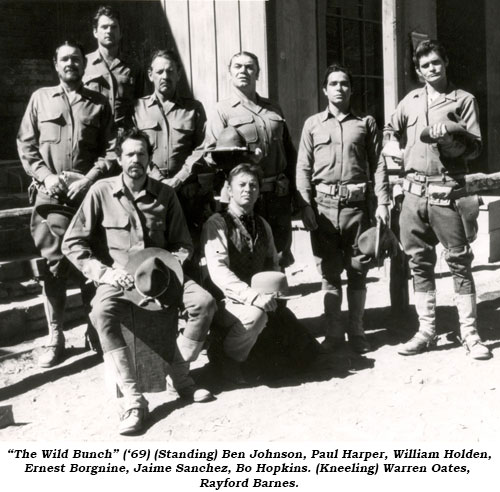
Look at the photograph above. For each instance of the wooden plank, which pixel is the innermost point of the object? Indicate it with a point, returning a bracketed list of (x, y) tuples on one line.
[(253, 28), (493, 216), (494, 254), (297, 61), (203, 52), (321, 40), (227, 35), (177, 14), (390, 57)]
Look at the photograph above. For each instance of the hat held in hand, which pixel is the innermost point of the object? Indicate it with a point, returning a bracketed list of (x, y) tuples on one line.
[(455, 127), (158, 279), (272, 283), (56, 217), (378, 242)]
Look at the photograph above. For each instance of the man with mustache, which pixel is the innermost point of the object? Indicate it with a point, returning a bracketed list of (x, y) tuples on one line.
[(120, 216), (64, 135), (107, 72)]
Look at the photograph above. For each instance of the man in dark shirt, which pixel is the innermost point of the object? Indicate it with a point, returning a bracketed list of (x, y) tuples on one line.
[(120, 216)]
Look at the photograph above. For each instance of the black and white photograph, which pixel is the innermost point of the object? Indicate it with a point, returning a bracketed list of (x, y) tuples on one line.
[(250, 243)]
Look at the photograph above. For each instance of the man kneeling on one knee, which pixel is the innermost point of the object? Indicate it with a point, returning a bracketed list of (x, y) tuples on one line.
[(239, 244), (120, 217)]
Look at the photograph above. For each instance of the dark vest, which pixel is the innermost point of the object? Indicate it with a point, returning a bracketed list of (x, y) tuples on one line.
[(246, 256)]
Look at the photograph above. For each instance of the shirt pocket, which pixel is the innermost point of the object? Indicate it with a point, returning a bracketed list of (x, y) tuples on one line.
[(156, 228), (151, 128), (117, 229), (182, 135), (50, 127), (277, 123), (322, 143), (411, 130), (246, 126)]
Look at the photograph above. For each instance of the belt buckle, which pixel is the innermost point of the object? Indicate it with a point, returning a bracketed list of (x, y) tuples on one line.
[(343, 192), (416, 189)]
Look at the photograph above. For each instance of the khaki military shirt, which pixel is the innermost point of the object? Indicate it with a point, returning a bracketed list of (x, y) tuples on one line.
[(263, 126), (111, 224), (119, 83), (56, 135), (175, 130), (341, 151), (413, 114)]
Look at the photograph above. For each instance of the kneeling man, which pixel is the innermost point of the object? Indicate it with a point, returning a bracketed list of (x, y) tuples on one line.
[(119, 217), (239, 244)]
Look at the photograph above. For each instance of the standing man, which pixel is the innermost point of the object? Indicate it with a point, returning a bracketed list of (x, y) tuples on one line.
[(261, 122), (435, 167), (121, 216), (339, 160), (64, 132), (107, 72)]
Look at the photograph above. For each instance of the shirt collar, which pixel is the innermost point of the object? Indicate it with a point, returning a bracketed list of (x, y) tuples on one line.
[(237, 211), (235, 99), (327, 114), (119, 186), (152, 100), (450, 93)]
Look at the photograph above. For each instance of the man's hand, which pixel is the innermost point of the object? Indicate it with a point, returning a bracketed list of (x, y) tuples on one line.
[(173, 182), (382, 214), (266, 302), (309, 218), (118, 278), (439, 132), (54, 184), (79, 186)]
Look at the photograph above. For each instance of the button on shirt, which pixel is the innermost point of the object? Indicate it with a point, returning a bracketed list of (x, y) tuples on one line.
[(111, 224), (340, 151), (119, 83), (175, 129), (56, 135), (413, 114)]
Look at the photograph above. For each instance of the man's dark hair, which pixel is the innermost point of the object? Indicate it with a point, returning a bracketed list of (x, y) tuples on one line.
[(426, 47), (169, 55), (336, 67), (245, 168), (108, 11), (133, 134), (250, 55), (72, 44)]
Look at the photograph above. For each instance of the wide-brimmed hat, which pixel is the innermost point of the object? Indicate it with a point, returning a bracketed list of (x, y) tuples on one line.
[(230, 140), (273, 283), (158, 279), (57, 217), (378, 242), (455, 129)]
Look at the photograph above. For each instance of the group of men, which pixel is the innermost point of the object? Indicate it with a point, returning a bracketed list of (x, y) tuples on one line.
[(75, 136)]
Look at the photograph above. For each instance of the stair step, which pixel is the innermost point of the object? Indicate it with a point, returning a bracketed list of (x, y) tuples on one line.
[(16, 266), (12, 290), (21, 318), (13, 177), (13, 200), (15, 235)]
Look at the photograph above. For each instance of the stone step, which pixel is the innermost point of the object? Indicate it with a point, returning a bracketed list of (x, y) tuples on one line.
[(21, 319), (10, 200), (13, 178)]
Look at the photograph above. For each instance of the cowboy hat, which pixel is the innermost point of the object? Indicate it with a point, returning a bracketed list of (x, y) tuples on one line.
[(272, 283), (378, 242), (230, 140), (56, 217), (454, 129), (158, 279)]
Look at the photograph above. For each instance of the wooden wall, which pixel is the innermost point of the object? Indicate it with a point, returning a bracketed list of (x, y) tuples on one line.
[(207, 33)]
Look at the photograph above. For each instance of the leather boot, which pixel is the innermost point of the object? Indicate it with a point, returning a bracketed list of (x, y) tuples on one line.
[(179, 381), (425, 338), (53, 350), (467, 315), (356, 300), (334, 331), (134, 407)]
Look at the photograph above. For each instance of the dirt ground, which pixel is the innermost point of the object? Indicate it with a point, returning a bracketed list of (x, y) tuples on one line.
[(440, 395)]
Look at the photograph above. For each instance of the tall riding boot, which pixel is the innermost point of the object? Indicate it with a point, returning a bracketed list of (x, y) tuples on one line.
[(179, 379), (467, 315), (334, 332), (425, 338), (134, 407), (356, 300), (54, 348)]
